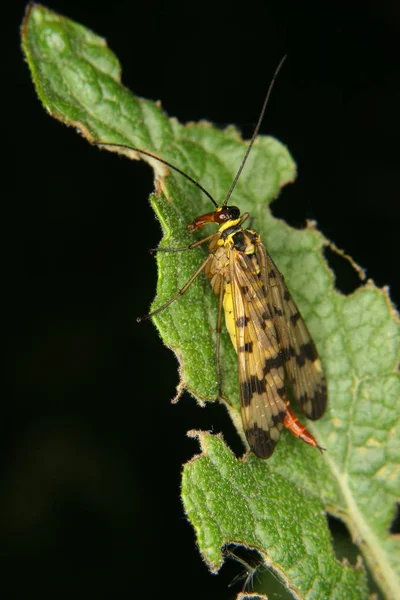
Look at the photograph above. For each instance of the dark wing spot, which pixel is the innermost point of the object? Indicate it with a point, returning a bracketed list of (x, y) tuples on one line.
[(281, 391), (260, 441), (278, 418), (318, 402), (246, 393), (278, 311), (307, 352), (248, 347), (242, 321), (295, 318), (303, 399), (272, 363), (272, 274), (300, 360), (286, 296), (251, 386), (258, 385), (244, 289)]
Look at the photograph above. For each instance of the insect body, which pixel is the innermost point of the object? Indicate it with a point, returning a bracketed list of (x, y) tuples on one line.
[(273, 345), (271, 340), (270, 337)]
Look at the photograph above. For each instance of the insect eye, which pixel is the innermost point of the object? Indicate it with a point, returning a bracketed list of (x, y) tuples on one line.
[(234, 212)]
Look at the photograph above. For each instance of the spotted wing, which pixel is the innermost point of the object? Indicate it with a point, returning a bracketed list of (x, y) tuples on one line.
[(261, 363), (301, 362)]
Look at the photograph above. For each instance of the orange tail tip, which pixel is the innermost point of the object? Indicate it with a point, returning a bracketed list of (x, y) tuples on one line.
[(292, 423)]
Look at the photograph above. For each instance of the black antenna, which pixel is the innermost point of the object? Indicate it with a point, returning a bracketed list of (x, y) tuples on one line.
[(256, 130), (196, 183), (161, 160)]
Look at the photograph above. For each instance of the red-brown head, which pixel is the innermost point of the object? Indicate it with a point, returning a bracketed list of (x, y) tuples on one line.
[(220, 215)]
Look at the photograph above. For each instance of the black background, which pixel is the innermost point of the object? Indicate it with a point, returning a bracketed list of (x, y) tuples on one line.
[(91, 447)]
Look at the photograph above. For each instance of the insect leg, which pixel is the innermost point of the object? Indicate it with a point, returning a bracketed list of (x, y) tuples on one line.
[(180, 293), (251, 563)]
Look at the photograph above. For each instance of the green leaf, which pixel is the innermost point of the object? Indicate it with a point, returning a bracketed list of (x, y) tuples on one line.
[(275, 506), (269, 512)]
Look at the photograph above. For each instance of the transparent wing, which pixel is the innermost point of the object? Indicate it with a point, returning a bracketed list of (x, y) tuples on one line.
[(301, 362), (260, 360)]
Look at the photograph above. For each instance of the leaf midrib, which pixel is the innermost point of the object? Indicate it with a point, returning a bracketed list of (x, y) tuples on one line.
[(365, 538)]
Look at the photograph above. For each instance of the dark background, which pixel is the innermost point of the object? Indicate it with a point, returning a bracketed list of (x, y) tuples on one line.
[(91, 446)]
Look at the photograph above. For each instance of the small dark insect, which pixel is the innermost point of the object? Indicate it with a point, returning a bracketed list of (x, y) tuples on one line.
[(267, 331)]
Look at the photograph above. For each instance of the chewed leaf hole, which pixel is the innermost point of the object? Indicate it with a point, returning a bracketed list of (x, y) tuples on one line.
[(288, 208), (347, 551), (214, 417), (342, 542), (347, 275)]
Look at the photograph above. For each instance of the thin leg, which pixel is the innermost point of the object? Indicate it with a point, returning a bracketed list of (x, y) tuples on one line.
[(190, 247), (179, 294), (244, 217), (218, 339), (251, 221), (246, 576)]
